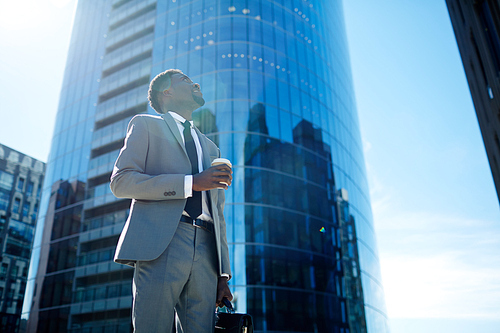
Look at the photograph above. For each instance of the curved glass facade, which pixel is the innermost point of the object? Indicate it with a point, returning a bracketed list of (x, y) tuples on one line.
[(280, 105)]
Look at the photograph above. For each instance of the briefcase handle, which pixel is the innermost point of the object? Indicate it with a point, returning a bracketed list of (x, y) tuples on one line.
[(228, 305)]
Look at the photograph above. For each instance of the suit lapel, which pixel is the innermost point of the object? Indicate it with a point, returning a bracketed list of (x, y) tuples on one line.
[(172, 125)]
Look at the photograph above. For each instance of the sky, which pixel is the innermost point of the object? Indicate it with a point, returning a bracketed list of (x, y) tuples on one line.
[(436, 213), (435, 208)]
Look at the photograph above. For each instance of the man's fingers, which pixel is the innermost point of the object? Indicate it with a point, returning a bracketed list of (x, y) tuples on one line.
[(222, 167), (221, 172), (224, 179)]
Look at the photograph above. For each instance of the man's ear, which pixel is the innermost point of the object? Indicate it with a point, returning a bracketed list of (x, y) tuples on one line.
[(166, 93)]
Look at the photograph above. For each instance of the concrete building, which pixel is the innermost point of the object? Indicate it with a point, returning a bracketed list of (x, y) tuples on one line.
[(477, 27), (280, 105), (21, 179)]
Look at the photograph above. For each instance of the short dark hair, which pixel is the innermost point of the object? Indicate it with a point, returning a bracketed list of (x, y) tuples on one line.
[(160, 83)]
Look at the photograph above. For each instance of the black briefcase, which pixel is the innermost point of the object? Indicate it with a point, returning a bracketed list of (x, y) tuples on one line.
[(232, 322)]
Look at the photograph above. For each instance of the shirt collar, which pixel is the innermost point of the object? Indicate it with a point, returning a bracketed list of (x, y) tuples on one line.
[(178, 118)]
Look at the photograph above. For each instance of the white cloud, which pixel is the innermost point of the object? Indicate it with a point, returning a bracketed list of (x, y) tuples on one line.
[(440, 287), (439, 265), (435, 264)]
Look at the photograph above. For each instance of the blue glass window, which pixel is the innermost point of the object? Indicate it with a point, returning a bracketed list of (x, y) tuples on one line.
[(240, 56), (295, 106), (266, 12), (26, 209), (239, 27), (223, 33), (240, 84), (254, 8), (4, 199), (6, 180), (194, 63), (269, 62), (224, 56), (224, 85), (241, 115), (284, 96), (20, 184), (286, 126), (272, 121), (271, 91), (209, 59), (256, 84), (254, 31), (16, 206), (208, 85)]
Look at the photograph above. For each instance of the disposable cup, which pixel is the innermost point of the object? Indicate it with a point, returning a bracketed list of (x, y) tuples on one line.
[(219, 161)]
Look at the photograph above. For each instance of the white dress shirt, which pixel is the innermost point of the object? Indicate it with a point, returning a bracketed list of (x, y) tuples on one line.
[(188, 179)]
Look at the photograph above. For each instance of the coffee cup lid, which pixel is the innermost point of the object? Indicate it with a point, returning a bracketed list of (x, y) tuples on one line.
[(222, 160)]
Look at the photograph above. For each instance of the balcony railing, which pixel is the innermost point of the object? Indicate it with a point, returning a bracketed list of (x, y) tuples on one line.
[(128, 52), (130, 29), (123, 102), (129, 10), (125, 76)]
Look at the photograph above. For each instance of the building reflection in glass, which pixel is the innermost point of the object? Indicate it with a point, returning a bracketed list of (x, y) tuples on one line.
[(350, 261), (293, 274)]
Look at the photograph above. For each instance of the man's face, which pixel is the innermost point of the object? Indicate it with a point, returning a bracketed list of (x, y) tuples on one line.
[(183, 90)]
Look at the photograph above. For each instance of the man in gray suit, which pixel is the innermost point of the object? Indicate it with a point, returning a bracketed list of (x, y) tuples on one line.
[(175, 235)]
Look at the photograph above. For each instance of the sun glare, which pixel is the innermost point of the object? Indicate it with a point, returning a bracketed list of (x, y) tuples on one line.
[(28, 14)]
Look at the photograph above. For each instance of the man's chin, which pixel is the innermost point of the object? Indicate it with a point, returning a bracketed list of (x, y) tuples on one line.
[(199, 100)]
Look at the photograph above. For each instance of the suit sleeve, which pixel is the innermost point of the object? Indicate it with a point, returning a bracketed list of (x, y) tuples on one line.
[(225, 264), (129, 179)]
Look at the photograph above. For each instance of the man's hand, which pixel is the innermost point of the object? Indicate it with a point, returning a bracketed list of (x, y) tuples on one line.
[(214, 177), (223, 291)]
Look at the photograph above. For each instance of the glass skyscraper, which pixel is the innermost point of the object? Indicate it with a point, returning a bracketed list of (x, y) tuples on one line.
[(21, 179), (280, 105)]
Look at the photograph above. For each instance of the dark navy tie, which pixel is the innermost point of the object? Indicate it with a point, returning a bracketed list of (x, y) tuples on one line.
[(193, 204)]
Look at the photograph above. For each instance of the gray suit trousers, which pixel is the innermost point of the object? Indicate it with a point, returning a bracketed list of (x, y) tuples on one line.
[(183, 278)]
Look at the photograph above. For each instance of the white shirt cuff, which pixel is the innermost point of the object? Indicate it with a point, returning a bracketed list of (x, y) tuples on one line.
[(188, 186)]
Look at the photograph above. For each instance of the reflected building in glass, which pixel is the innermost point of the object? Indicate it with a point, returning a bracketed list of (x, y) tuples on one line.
[(280, 105), (21, 179)]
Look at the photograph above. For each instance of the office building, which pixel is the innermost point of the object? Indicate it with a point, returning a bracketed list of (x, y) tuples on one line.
[(280, 105), (477, 27), (21, 179)]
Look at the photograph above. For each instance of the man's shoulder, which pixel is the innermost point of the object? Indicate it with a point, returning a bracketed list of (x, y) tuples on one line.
[(148, 120), (146, 117)]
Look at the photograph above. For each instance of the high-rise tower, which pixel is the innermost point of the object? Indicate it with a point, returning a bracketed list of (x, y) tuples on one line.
[(477, 30), (280, 105), (21, 179)]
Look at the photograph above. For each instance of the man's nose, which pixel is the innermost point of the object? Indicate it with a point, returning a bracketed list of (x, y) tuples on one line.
[(197, 85)]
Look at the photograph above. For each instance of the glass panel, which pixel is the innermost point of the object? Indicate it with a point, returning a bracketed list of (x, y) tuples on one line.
[(6, 180)]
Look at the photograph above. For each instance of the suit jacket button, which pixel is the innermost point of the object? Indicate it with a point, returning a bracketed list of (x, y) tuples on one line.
[(173, 192), (165, 194)]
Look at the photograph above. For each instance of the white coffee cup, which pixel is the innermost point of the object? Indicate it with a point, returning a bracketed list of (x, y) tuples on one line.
[(219, 161)]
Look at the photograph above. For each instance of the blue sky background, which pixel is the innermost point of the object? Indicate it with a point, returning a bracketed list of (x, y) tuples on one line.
[(435, 208)]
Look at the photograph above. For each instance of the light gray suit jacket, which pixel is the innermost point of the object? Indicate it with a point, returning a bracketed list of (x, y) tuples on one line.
[(150, 170)]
